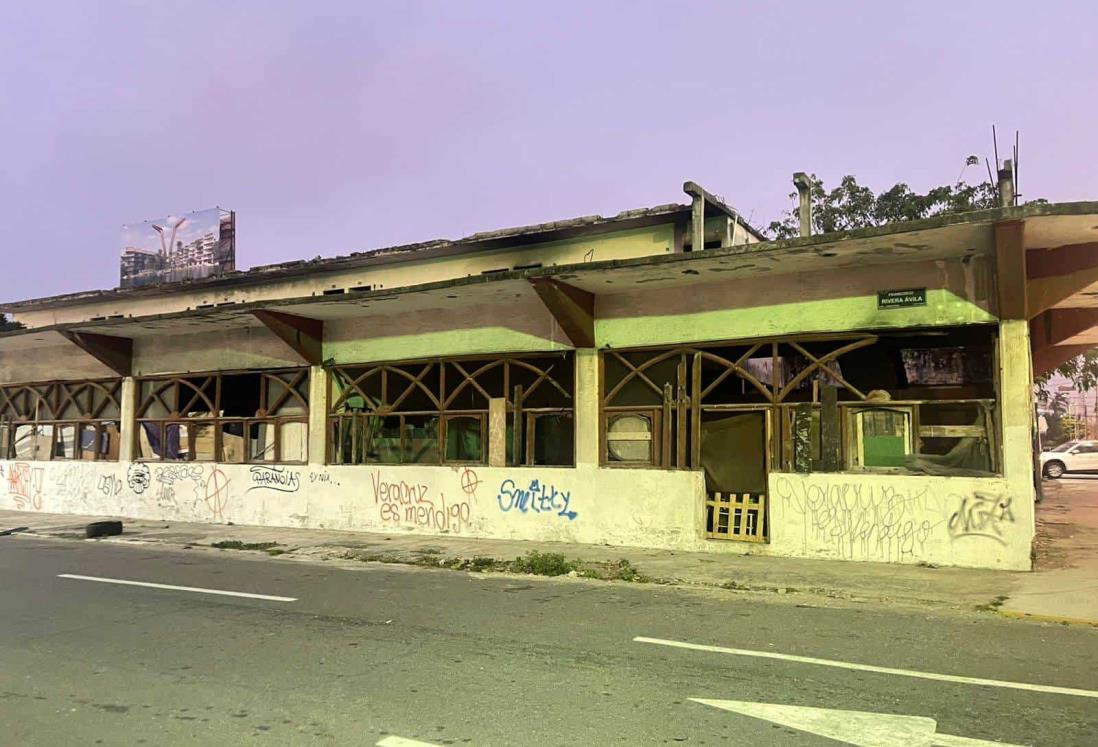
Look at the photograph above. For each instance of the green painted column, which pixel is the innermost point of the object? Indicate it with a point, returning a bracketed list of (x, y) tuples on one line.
[(587, 407), (1016, 406)]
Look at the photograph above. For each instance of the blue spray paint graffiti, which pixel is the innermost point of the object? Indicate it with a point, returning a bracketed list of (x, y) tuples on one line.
[(539, 498)]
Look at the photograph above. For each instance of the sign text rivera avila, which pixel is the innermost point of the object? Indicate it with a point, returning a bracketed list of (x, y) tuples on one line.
[(898, 299)]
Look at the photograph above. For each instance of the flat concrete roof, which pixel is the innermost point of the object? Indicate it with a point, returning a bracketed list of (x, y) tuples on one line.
[(507, 237), (943, 237)]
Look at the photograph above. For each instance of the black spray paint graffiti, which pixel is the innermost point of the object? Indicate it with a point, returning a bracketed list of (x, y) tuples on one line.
[(860, 520), (316, 476), (539, 497), (170, 477), (169, 474), (275, 478), (74, 481), (109, 485), (982, 515), (138, 477)]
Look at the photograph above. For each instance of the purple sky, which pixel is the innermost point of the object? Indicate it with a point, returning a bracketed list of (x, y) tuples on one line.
[(338, 126)]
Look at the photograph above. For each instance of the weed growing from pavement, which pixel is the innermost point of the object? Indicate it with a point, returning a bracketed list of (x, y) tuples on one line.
[(993, 605), (532, 563), (238, 545), (543, 564)]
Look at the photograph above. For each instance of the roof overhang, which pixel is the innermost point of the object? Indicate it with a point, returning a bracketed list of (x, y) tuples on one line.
[(1047, 228)]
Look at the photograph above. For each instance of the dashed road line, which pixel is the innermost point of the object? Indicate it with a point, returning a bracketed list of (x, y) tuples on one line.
[(172, 587), (871, 668)]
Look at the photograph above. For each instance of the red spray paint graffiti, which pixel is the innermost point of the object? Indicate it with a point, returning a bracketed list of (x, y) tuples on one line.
[(217, 492), (25, 486)]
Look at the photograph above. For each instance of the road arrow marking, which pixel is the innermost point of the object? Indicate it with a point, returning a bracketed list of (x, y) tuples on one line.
[(853, 727), (402, 742), (871, 668)]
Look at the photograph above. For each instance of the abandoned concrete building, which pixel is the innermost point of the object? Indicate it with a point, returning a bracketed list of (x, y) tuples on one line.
[(665, 378)]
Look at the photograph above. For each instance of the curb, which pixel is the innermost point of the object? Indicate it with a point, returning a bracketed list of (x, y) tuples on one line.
[(1057, 619)]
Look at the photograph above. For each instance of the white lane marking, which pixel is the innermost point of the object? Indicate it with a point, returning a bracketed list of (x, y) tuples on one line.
[(196, 589), (402, 742), (853, 727), (871, 668)]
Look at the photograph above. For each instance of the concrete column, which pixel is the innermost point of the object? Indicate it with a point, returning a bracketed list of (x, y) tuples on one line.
[(697, 224), (497, 433), (127, 448), (318, 414), (587, 407), (1016, 408), (804, 208)]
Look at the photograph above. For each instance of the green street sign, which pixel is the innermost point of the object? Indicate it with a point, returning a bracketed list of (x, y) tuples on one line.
[(899, 299)]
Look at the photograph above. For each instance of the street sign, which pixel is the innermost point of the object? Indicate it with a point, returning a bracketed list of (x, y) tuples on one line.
[(899, 299)]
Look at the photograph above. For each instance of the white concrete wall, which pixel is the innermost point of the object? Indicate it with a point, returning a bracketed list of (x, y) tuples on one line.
[(947, 521), (619, 507), (906, 519)]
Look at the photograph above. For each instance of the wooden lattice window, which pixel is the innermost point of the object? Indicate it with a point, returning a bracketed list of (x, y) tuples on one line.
[(61, 420), (436, 411), (733, 409), (235, 417)]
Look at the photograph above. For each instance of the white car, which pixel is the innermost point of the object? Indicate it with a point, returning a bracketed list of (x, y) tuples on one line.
[(1074, 456)]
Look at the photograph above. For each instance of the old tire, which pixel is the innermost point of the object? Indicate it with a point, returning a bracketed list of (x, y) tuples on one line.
[(1054, 470), (103, 529)]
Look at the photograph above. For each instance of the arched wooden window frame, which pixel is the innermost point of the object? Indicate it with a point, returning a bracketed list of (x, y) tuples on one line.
[(351, 431), (189, 406), (59, 411)]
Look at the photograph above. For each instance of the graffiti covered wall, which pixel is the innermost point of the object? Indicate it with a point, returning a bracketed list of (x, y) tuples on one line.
[(585, 504), (955, 521), (972, 522)]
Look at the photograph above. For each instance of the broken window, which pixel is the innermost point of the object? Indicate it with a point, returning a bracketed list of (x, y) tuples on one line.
[(60, 420), (920, 401), (437, 411), (247, 417), (943, 438), (882, 437)]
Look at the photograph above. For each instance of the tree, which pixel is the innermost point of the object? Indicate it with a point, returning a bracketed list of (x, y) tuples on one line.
[(1082, 371), (1054, 407), (850, 206), (8, 325)]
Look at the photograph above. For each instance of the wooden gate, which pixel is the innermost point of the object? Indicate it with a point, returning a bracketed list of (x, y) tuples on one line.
[(738, 516)]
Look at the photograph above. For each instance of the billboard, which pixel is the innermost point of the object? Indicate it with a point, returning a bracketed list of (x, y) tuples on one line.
[(189, 246)]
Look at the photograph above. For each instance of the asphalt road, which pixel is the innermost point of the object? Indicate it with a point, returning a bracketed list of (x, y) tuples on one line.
[(381, 652)]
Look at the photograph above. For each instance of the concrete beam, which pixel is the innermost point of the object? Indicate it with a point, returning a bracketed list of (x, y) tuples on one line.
[(1046, 359), (302, 335), (1057, 274), (116, 353), (1010, 269), (697, 215), (1057, 326), (574, 309)]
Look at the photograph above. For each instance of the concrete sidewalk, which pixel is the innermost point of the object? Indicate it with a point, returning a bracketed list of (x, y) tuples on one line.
[(953, 588), (1064, 584)]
